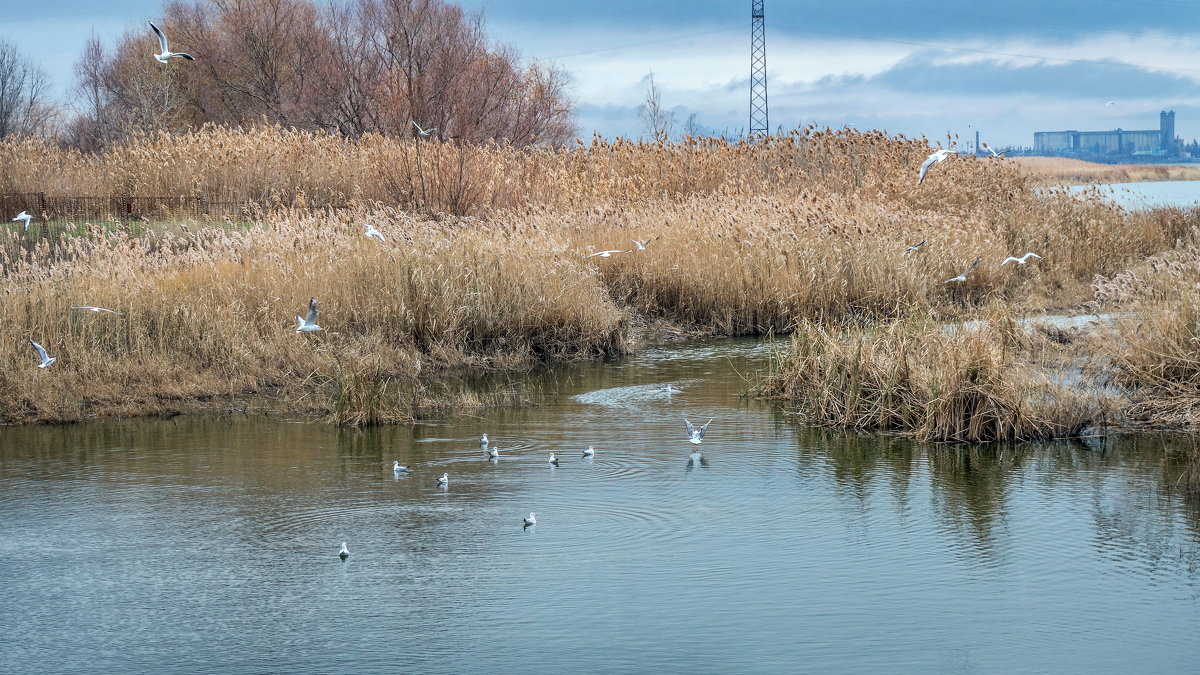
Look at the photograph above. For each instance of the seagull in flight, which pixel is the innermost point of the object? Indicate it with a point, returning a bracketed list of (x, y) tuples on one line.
[(963, 276), (167, 54), (423, 132), (531, 519), (25, 217), (1022, 259), (46, 358), (930, 161), (345, 552), (605, 254), (916, 246), (398, 468), (94, 309), (308, 323), (1110, 103), (641, 245), (985, 146), (590, 452), (372, 232), (694, 434)]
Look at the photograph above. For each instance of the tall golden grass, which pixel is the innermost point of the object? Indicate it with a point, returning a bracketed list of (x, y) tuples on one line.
[(483, 262), (1066, 171), (977, 383)]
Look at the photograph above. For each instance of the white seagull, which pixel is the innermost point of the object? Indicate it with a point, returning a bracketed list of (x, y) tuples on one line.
[(930, 161), (916, 246), (25, 217), (483, 441), (345, 552), (46, 359), (590, 452), (167, 53), (605, 254), (444, 479), (963, 276), (531, 520), (669, 388), (423, 132), (1022, 259), (94, 309), (493, 453), (553, 460), (1110, 103), (308, 323), (372, 232), (397, 467), (694, 434), (641, 245), (994, 153)]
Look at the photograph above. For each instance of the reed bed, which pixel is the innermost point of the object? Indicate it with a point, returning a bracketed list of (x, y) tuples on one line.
[(972, 384), (1049, 171), (483, 265)]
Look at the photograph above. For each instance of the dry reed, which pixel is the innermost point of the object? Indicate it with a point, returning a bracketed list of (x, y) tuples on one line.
[(483, 265)]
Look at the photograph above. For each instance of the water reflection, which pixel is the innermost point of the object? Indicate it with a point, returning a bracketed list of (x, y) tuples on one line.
[(779, 531)]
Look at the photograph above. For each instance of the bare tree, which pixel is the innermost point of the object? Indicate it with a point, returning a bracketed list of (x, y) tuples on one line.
[(657, 121), (356, 67), (25, 106)]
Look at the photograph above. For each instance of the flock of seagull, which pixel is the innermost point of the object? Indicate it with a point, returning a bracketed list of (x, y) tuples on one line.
[(939, 156), (695, 437)]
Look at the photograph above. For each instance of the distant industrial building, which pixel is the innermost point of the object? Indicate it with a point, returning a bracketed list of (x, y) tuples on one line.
[(1160, 142)]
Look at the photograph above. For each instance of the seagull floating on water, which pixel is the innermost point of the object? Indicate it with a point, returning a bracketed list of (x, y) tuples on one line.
[(25, 217), (590, 452), (94, 309), (694, 434), (669, 388), (397, 467), (308, 323), (641, 245), (930, 161), (605, 254), (963, 276), (423, 132), (493, 453), (167, 53), (531, 519), (483, 441), (444, 479), (45, 358), (1022, 259), (345, 552), (553, 460), (372, 232), (916, 246)]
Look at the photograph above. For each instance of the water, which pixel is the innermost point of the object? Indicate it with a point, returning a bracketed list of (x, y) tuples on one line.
[(1149, 194), (211, 545)]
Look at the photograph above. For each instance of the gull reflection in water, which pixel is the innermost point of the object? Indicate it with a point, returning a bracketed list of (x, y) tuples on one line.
[(696, 460)]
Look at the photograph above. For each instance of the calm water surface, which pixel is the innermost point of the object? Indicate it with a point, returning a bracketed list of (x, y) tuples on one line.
[(210, 545), (1149, 194)]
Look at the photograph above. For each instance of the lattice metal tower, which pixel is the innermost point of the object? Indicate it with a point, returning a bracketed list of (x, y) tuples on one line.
[(758, 69)]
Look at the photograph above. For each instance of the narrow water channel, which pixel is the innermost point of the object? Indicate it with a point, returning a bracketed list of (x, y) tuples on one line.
[(210, 545)]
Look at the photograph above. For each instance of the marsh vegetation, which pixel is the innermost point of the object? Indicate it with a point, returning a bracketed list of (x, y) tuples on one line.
[(483, 266)]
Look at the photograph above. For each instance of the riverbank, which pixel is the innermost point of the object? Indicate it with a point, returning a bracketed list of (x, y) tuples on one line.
[(1059, 171), (739, 240)]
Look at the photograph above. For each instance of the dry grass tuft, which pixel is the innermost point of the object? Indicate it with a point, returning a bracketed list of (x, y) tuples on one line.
[(974, 383)]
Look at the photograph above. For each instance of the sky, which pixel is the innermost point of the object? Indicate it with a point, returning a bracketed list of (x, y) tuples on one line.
[(922, 67)]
